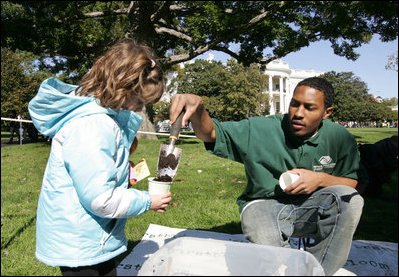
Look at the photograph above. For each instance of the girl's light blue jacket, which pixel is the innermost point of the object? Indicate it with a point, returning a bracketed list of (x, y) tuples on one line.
[(84, 201)]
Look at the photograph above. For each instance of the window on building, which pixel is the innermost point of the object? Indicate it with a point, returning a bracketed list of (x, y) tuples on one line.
[(277, 107)]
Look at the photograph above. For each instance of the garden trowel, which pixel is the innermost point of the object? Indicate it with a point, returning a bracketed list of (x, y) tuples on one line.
[(169, 155)]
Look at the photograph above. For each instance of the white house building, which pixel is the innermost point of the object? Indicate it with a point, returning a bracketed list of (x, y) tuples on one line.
[(280, 85)]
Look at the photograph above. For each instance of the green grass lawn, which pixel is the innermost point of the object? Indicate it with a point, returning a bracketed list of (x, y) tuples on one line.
[(204, 195)]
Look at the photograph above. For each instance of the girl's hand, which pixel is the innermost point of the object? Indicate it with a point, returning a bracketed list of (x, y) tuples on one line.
[(160, 201)]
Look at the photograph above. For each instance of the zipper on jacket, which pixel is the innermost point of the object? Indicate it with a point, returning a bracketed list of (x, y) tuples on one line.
[(104, 239)]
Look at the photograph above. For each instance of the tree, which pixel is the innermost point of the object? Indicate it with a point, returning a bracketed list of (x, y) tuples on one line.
[(243, 95), (68, 35), (349, 95), (161, 111), (19, 82), (352, 101), (391, 101), (392, 62), (179, 31), (230, 92), (204, 79)]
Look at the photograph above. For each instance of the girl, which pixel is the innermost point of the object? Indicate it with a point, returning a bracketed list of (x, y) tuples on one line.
[(84, 200)]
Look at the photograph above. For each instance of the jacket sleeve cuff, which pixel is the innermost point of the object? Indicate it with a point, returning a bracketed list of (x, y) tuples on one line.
[(140, 204)]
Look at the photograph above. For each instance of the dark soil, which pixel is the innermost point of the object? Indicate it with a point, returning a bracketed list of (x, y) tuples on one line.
[(164, 178), (167, 161)]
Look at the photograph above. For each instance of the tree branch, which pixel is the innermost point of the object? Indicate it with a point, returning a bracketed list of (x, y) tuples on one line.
[(213, 44), (177, 28), (178, 7), (99, 14), (131, 4), (158, 14), (255, 20), (182, 10), (162, 30), (226, 50), (258, 18), (186, 57)]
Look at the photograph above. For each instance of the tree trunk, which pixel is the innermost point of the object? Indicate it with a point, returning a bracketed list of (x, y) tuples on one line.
[(146, 126)]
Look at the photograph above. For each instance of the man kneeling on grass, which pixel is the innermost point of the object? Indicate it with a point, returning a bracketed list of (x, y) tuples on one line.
[(323, 203)]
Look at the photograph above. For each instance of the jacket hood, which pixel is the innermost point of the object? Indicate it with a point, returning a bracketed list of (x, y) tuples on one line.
[(54, 105)]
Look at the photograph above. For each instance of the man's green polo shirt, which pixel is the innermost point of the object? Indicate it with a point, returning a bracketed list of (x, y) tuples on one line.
[(267, 148)]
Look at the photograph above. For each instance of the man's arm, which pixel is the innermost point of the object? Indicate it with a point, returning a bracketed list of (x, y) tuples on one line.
[(310, 181), (195, 111)]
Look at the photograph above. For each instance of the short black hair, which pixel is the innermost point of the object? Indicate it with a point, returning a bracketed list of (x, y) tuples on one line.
[(322, 85)]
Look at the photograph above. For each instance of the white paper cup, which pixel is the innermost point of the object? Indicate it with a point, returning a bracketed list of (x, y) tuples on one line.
[(156, 187), (286, 179)]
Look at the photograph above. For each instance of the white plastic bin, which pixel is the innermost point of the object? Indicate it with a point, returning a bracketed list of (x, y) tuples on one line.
[(210, 257)]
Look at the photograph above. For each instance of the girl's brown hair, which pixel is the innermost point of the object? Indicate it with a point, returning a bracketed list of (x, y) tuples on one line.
[(127, 68)]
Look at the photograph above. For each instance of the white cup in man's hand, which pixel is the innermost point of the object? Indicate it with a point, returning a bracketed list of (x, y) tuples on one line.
[(286, 179)]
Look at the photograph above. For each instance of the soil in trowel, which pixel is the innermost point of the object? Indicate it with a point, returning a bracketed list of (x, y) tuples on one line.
[(164, 162), (167, 161)]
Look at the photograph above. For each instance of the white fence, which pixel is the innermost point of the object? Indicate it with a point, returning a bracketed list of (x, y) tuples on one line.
[(30, 121)]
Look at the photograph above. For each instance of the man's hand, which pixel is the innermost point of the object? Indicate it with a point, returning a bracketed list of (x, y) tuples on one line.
[(191, 103), (309, 181), (195, 111)]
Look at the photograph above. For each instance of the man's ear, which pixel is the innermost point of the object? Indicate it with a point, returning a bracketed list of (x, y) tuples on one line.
[(328, 112)]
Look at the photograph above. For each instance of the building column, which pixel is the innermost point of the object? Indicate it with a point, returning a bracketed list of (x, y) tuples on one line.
[(287, 94), (282, 106), (272, 108)]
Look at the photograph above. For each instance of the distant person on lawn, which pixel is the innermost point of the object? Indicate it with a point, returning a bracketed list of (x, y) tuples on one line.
[(84, 201), (132, 174), (14, 129), (322, 204)]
